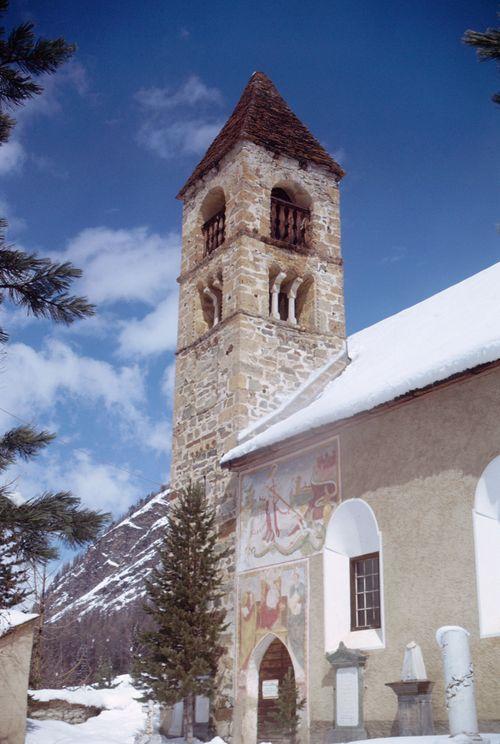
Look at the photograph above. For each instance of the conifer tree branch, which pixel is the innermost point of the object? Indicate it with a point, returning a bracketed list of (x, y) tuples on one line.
[(39, 520), (487, 45), (24, 442), (40, 286)]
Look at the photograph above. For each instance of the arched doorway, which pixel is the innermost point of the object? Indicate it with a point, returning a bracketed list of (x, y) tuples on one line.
[(275, 664)]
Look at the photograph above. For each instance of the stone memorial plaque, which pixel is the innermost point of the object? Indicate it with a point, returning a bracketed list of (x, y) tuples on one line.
[(176, 724), (270, 689), (347, 707), (201, 709)]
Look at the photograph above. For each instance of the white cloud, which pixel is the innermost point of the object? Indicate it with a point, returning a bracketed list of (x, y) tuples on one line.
[(181, 121), (168, 381), (130, 265), (340, 156), (13, 154), (399, 252), (15, 224), (155, 333), (183, 137), (191, 93), (34, 381), (159, 436), (71, 76), (12, 157), (99, 485)]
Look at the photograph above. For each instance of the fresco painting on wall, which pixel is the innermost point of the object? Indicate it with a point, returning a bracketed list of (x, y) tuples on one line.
[(285, 506), (274, 601)]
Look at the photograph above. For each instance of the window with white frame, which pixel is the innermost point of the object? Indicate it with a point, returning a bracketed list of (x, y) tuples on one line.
[(486, 518), (353, 578)]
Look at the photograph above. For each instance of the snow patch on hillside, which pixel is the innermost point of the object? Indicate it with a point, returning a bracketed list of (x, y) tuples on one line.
[(124, 573)]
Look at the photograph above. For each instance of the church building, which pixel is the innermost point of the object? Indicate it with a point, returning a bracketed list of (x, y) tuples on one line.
[(356, 479)]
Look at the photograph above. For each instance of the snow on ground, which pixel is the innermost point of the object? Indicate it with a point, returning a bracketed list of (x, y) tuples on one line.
[(123, 718), (118, 724), (113, 697), (453, 331)]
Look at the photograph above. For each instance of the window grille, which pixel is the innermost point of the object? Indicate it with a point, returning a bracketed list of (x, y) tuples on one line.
[(289, 223), (214, 231)]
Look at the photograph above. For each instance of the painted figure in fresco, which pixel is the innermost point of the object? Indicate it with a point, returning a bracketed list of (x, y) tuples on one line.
[(323, 485), (286, 506), (281, 519), (296, 616), (270, 603), (248, 626)]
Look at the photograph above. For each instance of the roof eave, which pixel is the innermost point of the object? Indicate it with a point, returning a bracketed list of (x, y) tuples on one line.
[(282, 446)]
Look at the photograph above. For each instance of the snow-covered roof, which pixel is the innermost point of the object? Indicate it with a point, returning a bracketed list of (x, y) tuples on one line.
[(11, 618), (448, 333)]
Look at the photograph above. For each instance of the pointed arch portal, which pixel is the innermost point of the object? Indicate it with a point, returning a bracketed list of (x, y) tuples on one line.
[(268, 664), (275, 665)]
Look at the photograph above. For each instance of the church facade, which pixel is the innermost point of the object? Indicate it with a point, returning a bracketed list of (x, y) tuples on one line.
[(360, 511)]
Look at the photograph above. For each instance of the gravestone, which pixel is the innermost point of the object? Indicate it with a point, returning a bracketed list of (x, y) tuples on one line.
[(172, 724), (175, 728), (459, 683), (348, 665), (414, 716)]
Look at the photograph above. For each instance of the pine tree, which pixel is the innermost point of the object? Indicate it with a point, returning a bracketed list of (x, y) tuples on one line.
[(104, 675), (181, 655), (285, 717), (487, 45)]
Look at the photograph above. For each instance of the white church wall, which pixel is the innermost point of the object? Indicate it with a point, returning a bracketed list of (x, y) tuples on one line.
[(486, 519), (352, 531)]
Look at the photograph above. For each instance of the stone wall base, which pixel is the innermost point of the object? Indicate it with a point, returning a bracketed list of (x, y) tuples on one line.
[(60, 710)]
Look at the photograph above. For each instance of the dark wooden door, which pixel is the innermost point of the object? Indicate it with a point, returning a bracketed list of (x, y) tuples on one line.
[(273, 668)]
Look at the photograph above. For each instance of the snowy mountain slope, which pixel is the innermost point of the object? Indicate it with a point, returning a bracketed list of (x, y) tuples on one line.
[(110, 574), (94, 607)]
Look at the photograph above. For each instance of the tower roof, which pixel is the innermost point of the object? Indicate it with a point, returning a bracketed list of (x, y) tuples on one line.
[(263, 116)]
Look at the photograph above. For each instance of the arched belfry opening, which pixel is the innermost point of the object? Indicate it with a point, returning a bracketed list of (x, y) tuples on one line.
[(291, 297), (290, 215), (275, 665), (213, 212)]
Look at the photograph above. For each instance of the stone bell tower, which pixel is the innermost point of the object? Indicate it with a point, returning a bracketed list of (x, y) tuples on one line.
[(261, 293)]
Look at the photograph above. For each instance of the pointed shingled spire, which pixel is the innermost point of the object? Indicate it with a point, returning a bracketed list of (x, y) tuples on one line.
[(262, 116)]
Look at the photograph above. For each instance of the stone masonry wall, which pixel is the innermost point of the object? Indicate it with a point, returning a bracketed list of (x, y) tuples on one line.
[(232, 374)]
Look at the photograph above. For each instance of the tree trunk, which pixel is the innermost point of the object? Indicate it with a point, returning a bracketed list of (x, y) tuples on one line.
[(37, 653), (189, 718)]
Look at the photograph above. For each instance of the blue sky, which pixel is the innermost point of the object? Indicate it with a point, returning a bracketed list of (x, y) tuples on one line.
[(94, 165)]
